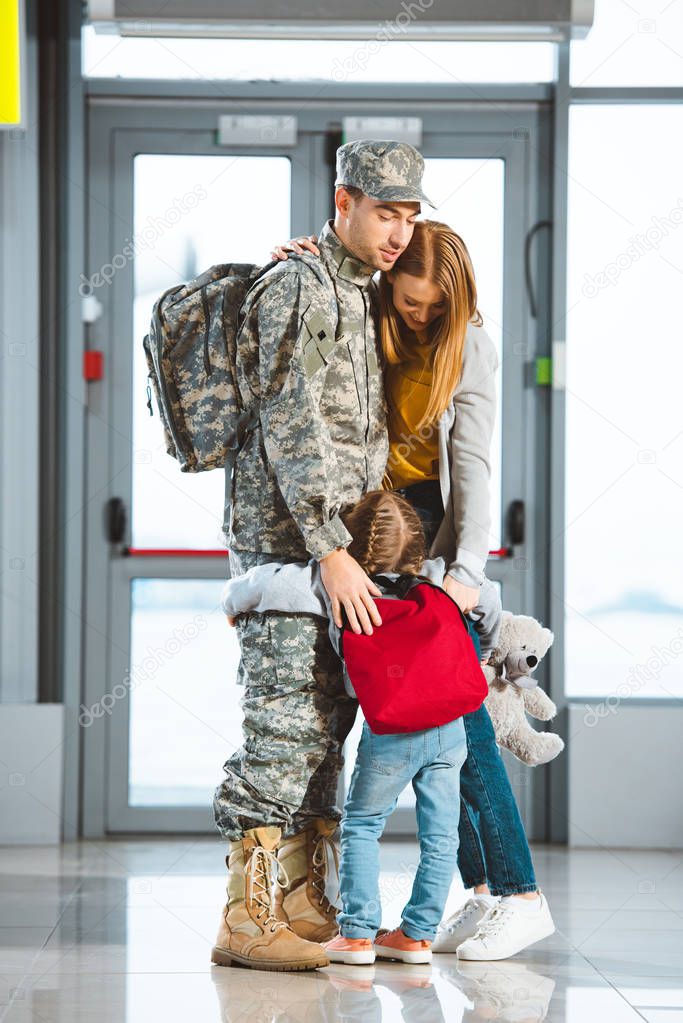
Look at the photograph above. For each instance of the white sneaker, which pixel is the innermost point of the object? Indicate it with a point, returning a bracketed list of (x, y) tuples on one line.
[(509, 992), (508, 928), (463, 924)]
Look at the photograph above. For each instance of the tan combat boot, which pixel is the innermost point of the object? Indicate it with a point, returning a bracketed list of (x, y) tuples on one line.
[(306, 859), (249, 933)]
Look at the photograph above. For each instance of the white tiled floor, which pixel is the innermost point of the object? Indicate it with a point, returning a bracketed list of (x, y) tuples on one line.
[(122, 931)]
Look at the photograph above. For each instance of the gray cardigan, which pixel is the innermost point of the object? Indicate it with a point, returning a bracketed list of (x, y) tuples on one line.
[(298, 587), (465, 432)]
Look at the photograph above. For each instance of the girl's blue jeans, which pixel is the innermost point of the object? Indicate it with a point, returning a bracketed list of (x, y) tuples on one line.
[(493, 848), (385, 764)]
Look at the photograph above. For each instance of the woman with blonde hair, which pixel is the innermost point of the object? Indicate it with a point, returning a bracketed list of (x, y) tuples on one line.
[(439, 368)]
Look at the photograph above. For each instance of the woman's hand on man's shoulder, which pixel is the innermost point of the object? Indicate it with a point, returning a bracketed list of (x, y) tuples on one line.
[(296, 245)]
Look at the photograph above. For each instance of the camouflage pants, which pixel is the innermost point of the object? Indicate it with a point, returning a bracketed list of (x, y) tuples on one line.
[(296, 717)]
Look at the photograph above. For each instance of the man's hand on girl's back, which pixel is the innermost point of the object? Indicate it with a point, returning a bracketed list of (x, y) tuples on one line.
[(348, 586)]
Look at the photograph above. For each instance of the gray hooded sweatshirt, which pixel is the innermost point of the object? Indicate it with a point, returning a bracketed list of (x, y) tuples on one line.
[(298, 587)]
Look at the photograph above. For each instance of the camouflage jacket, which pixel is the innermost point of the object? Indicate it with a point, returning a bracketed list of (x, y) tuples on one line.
[(308, 357)]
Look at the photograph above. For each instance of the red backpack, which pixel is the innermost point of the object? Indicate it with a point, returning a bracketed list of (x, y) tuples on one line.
[(419, 668)]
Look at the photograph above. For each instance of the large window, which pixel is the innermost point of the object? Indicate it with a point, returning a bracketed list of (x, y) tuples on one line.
[(631, 44), (624, 508), (339, 60), (190, 212), (185, 717)]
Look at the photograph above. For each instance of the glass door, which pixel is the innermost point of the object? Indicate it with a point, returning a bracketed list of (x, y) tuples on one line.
[(168, 201), (190, 693)]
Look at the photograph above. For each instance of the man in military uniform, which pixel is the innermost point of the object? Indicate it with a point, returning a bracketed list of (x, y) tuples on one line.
[(307, 359)]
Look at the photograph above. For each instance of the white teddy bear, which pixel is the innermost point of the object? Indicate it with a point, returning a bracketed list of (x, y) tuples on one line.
[(513, 693)]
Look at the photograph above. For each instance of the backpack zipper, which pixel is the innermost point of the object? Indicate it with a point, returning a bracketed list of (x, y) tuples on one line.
[(207, 359), (161, 382)]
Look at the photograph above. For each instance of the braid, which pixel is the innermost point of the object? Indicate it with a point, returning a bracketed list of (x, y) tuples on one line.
[(372, 542), (415, 547), (387, 533)]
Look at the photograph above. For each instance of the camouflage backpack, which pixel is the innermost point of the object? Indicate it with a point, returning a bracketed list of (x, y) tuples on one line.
[(191, 352)]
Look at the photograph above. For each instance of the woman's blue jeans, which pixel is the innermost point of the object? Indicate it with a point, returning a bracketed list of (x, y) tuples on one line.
[(385, 764), (493, 848)]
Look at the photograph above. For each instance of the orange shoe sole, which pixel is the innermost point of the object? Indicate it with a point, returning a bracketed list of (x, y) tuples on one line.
[(403, 955)]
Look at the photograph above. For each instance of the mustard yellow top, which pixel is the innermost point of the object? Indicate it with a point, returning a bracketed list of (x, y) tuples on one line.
[(413, 456)]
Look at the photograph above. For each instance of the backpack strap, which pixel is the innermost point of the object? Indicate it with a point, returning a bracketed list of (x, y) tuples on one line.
[(405, 582), (398, 586), (249, 417), (246, 421)]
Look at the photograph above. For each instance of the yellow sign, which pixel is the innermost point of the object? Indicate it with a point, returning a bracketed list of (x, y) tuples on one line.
[(10, 62)]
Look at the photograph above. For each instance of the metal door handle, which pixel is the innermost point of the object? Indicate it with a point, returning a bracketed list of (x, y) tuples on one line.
[(515, 522), (115, 520)]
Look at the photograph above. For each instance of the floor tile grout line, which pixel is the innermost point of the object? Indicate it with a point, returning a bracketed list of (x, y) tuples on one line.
[(576, 949), (617, 990), (27, 973), (77, 944)]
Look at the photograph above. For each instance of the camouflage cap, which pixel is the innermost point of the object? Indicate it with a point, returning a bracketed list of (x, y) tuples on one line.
[(391, 171)]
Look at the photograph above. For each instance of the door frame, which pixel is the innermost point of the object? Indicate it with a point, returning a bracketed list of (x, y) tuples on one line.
[(120, 114)]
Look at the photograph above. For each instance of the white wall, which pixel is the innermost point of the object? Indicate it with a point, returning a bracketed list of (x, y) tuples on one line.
[(31, 773), (625, 776), (19, 397)]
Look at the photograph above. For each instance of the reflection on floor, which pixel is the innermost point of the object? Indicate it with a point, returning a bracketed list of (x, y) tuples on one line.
[(122, 930)]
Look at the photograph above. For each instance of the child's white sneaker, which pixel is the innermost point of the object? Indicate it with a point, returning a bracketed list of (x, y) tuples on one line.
[(463, 924), (509, 927)]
